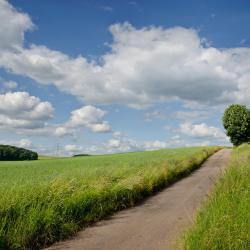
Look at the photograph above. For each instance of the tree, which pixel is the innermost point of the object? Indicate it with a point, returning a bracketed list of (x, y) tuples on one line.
[(11, 153), (236, 121)]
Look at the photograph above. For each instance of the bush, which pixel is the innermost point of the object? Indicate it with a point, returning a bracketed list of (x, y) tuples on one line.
[(236, 121), (11, 153), (81, 155)]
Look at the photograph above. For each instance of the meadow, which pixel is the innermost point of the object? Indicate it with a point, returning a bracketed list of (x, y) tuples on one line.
[(224, 221), (48, 200)]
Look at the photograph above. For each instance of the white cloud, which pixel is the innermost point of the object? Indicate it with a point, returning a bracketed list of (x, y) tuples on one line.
[(6, 86), (156, 114), (90, 117), (62, 131), (153, 145), (9, 85), (12, 26), (122, 143), (23, 143), (100, 127), (114, 143), (19, 110), (201, 130), (193, 115), (87, 116), (27, 115), (70, 148), (126, 144), (145, 66)]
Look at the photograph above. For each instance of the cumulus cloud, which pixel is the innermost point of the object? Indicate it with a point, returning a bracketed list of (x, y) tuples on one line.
[(90, 117), (8, 85), (144, 66), (192, 115), (28, 115), (118, 143), (122, 143), (62, 131), (70, 148), (19, 110), (156, 114), (23, 143), (201, 130), (153, 145), (12, 26)]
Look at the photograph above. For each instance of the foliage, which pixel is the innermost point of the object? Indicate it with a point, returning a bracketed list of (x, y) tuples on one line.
[(11, 153), (236, 121), (224, 221), (81, 155), (48, 200)]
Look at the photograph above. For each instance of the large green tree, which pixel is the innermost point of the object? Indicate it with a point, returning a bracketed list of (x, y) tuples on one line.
[(236, 121)]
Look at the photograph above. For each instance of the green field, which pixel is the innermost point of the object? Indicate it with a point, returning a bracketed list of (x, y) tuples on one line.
[(224, 221), (47, 200)]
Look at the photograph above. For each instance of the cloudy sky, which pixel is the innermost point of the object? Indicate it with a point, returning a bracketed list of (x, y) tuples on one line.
[(113, 76)]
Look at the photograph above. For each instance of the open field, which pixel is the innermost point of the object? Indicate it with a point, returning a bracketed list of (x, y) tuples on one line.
[(47, 200), (155, 223), (48, 157), (224, 221)]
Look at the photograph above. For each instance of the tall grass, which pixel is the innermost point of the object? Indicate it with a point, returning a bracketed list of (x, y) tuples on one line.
[(44, 201), (224, 221)]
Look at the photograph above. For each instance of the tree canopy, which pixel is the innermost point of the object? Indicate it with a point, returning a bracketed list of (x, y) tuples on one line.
[(12, 153), (236, 121)]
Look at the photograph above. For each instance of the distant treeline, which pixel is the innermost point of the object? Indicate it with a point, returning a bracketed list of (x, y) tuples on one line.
[(81, 155), (12, 153)]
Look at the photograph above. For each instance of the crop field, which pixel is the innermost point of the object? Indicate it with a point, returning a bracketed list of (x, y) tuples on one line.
[(224, 221), (47, 200)]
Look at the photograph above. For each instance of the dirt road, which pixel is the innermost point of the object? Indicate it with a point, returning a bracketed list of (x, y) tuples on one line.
[(154, 224)]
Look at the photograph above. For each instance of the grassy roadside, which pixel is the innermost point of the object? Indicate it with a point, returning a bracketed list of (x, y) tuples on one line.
[(224, 221), (44, 201)]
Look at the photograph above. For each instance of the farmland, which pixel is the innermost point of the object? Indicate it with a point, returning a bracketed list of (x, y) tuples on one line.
[(47, 200), (223, 222)]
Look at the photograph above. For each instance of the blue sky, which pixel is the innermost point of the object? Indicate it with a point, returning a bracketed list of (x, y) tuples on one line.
[(113, 76)]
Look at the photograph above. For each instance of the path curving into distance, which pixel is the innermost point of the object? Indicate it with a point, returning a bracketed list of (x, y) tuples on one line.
[(155, 223)]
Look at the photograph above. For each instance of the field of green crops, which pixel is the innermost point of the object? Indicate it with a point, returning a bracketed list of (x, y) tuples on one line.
[(224, 221), (47, 200)]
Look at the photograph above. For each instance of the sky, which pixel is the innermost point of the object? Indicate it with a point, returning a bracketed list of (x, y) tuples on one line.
[(115, 76)]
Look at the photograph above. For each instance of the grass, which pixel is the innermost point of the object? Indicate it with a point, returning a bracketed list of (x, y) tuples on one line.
[(47, 200), (224, 221), (46, 157)]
